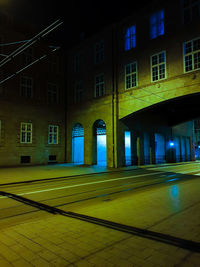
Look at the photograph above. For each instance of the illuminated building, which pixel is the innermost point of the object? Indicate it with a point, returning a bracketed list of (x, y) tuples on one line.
[(139, 78), (32, 114)]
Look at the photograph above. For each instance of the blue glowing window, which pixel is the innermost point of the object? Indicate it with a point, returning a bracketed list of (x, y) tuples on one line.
[(130, 38), (157, 24)]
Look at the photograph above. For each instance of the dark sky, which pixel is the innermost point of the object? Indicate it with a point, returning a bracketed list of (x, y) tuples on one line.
[(86, 16)]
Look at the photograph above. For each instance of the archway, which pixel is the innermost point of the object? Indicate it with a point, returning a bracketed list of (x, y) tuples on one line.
[(100, 142), (78, 144)]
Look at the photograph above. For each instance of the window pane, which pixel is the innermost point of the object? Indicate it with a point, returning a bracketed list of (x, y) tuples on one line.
[(188, 47), (155, 73), (154, 60), (197, 60), (188, 63), (196, 45)]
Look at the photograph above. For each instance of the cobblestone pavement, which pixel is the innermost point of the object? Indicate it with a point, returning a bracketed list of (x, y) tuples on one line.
[(56, 240), (61, 241)]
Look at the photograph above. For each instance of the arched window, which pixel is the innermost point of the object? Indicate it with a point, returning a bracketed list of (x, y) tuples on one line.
[(100, 142)]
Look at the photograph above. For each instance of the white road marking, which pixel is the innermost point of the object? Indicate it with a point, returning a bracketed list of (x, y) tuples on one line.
[(78, 185)]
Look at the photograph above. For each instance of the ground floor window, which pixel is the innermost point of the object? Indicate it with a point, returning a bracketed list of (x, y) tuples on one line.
[(26, 133), (53, 134)]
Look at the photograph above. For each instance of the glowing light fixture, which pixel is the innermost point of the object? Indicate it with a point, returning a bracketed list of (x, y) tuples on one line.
[(171, 144)]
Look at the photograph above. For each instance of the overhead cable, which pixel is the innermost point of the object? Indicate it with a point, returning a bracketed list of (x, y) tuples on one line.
[(30, 42), (27, 66)]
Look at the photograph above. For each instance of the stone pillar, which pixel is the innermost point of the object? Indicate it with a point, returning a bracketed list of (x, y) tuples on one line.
[(152, 149), (140, 150), (134, 157), (89, 147)]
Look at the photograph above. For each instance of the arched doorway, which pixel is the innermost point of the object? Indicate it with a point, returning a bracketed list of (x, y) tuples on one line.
[(100, 142), (78, 144)]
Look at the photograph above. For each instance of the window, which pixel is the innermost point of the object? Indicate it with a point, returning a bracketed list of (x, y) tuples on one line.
[(99, 52), (26, 87), (131, 75), (191, 10), (130, 38), (192, 55), (28, 56), (53, 134), (79, 92), (158, 66), (157, 24), (99, 85), (26, 133), (54, 64), (25, 159), (52, 93)]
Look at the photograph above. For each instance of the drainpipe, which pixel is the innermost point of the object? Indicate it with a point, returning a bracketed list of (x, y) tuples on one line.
[(114, 94)]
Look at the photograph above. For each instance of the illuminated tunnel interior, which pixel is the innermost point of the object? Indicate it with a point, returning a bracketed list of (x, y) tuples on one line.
[(159, 148), (78, 144), (127, 143), (100, 135)]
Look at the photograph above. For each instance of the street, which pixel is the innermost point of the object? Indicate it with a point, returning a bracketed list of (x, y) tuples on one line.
[(162, 200)]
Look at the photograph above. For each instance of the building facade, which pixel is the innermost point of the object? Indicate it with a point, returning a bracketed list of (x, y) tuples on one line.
[(125, 82), (32, 113)]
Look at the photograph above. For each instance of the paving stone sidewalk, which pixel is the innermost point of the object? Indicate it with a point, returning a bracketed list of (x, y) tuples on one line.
[(56, 240), (63, 241)]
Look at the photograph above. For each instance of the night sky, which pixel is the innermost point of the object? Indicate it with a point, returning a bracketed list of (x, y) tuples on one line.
[(86, 16)]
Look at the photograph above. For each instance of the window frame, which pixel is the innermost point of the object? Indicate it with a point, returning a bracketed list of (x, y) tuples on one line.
[(130, 74), (158, 64), (191, 53), (99, 52), (157, 24), (50, 89), (26, 131), (127, 39), (24, 87), (78, 96), (99, 84), (54, 134), (190, 8)]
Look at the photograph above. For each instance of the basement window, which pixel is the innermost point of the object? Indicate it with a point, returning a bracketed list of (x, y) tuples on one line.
[(52, 158), (25, 159)]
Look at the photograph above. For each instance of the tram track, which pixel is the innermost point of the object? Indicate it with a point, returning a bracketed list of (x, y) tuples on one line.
[(97, 193), (144, 233)]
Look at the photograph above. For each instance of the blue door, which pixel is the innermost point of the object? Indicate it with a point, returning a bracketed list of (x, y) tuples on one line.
[(78, 144)]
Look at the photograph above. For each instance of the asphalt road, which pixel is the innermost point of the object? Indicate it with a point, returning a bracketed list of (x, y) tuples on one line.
[(73, 192)]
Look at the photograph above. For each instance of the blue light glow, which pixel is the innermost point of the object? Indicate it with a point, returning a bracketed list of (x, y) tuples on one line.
[(157, 24), (101, 150), (130, 38), (78, 144), (171, 144), (127, 141)]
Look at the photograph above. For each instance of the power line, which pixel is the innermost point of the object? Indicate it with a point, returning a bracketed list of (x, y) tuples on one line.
[(28, 66), (32, 41)]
